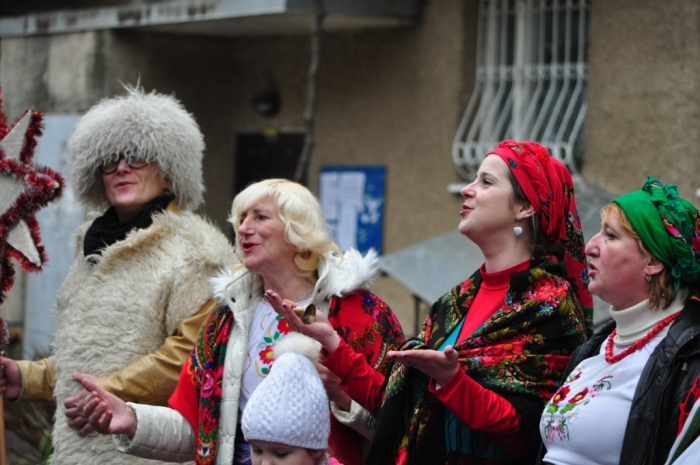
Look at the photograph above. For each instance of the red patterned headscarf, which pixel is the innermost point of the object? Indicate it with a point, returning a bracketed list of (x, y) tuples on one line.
[(549, 187)]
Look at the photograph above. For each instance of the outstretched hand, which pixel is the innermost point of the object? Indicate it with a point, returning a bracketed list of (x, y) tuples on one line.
[(105, 412), (320, 329), (441, 366), (74, 408)]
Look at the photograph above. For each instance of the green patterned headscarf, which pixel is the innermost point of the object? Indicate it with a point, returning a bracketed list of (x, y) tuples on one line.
[(669, 227)]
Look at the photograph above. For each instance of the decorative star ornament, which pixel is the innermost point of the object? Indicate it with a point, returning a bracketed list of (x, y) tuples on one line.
[(24, 189)]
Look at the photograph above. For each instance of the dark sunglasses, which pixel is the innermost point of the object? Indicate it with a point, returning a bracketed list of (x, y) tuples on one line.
[(133, 163)]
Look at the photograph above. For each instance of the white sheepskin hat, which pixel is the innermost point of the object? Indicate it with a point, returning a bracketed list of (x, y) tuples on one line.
[(155, 126), (290, 406)]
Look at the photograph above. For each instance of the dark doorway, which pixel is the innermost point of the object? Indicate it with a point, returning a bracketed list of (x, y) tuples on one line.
[(269, 154)]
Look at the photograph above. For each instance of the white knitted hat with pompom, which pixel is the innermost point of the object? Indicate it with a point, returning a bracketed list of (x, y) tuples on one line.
[(290, 406)]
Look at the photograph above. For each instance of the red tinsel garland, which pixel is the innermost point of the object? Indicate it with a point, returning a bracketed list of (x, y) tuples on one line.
[(43, 185)]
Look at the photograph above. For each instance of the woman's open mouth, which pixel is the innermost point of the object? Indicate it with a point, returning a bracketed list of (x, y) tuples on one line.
[(465, 209), (248, 246)]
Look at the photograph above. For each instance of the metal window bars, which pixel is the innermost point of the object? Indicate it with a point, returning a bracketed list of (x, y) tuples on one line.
[(530, 80)]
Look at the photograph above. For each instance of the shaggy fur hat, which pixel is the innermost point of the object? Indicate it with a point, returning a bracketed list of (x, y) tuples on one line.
[(152, 127), (290, 406)]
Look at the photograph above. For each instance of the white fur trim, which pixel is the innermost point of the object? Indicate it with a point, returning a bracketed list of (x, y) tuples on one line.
[(219, 282), (353, 273), (157, 126), (297, 343)]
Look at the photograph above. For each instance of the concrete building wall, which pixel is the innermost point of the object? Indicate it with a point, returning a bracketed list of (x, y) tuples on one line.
[(644, 94), (392, 97), (62, 73)]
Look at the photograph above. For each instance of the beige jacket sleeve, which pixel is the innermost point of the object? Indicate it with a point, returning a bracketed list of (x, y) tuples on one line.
[(38, 380), (153, 378), (162, 434), (357, 418)]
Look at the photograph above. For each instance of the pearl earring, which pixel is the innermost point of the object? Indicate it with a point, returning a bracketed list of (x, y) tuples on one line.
[(517, 230)]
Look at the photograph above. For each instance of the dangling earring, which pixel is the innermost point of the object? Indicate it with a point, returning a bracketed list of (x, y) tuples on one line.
[(517, 230), (648, 278)]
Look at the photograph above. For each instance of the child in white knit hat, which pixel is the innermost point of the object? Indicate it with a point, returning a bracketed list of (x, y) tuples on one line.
[(287, 418)]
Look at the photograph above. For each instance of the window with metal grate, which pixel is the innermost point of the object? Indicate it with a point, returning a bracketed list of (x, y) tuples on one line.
[(531, 77)]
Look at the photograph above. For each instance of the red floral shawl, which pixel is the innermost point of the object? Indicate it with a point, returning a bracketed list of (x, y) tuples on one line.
[(363, 320), (520, 352)]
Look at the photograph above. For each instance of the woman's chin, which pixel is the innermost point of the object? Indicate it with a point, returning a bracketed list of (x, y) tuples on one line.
[(250, 264), (464, 229)]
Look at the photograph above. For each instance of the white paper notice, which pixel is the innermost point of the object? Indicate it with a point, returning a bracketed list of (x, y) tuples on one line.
[(329, 195), (352, 188), (346, 234)]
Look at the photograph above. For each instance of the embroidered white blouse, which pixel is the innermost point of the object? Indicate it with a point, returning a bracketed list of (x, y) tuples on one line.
[(585, 421), (266, 328)]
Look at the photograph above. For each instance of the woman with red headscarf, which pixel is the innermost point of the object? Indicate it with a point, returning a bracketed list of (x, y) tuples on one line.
[(471, 387)]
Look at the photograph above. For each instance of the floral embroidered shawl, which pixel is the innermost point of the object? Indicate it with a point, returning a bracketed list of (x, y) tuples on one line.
[(363, 320), (520, 352)]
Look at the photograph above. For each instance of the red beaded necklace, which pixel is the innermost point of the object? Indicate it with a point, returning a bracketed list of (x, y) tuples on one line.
[(610, 358)]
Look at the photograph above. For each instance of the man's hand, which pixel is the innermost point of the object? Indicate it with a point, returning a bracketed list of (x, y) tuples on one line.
[(105, 412), (10, 379)]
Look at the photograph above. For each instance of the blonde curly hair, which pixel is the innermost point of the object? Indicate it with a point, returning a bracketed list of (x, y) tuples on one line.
[(305, 226)]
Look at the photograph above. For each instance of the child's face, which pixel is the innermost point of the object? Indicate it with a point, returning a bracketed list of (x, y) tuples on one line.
[(274, 453)]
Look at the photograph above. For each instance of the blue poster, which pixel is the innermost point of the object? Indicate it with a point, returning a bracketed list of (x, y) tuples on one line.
[(353, 202)]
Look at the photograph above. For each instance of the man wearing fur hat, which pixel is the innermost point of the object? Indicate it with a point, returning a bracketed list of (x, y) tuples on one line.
[(130, 308)]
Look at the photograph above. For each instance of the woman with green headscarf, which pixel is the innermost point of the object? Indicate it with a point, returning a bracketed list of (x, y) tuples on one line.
[(623, 399)]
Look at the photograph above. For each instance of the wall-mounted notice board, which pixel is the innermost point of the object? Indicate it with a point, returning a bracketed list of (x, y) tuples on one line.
[(353, 202)]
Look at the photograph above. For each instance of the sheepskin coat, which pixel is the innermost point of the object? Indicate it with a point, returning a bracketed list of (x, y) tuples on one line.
[(112, 313)]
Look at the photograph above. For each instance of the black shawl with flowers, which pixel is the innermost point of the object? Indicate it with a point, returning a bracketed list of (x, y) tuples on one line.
[(520, 352)]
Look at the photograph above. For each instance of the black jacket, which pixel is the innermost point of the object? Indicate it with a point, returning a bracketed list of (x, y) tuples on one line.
[(664, 383)]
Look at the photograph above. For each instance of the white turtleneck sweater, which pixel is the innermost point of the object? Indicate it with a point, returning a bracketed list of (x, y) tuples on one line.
[(585, 421)]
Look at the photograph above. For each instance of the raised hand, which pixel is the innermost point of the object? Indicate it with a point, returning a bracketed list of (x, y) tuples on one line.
[(441, 366), (10, 379), (320, 329), (105, 412)]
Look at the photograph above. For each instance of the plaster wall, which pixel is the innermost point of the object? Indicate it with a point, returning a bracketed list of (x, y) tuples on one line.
[(644, 94), (62, 73)]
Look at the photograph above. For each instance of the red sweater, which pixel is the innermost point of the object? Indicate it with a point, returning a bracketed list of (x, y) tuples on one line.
[(478, 408)]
